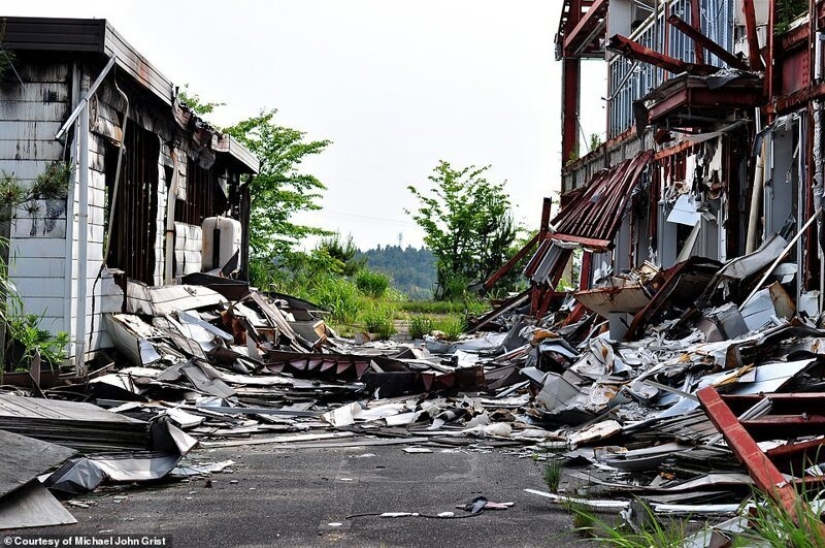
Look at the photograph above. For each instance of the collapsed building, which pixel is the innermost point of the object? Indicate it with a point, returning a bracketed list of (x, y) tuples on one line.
[(691, 342), (154, 193), (714, 141)]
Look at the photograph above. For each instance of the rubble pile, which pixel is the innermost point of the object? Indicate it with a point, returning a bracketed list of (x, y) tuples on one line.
[(644, 418)]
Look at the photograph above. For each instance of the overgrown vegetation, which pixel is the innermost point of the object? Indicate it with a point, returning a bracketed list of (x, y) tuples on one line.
[(468, 225), (788, 11), (420, 326), (23, 338)]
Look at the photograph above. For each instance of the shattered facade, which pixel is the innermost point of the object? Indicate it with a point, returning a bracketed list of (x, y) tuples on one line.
[(147, 176)]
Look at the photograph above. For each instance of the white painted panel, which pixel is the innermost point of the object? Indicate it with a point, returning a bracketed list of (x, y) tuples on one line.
[(41, 287), (46, 306), (38, 228), (39, 247), (37, 267), (24, 169)]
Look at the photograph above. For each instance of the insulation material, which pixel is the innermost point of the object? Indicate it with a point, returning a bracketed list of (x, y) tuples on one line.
[(188, 246)]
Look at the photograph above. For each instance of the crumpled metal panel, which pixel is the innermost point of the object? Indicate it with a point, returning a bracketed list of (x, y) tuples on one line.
[(593, 217)]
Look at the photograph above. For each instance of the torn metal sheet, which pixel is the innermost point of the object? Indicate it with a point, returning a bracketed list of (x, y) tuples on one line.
[(605, 300), (160, 301), (131, 336), (751, 264), (188, 470), (684, 211), (593, 504), (598, 431), (767, 304)]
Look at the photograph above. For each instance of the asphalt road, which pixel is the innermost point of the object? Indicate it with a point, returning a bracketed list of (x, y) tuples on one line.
[(289, 497)]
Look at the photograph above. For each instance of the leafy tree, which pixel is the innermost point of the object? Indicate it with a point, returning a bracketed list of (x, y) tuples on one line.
[(468, 224), (343, 252), (279, 190)]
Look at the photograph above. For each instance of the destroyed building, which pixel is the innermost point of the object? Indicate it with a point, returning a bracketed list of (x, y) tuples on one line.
[(686, 370), (152, 186), (714, 142)]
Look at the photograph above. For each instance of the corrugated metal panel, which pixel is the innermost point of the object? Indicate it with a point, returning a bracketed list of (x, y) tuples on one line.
[(596, 213)]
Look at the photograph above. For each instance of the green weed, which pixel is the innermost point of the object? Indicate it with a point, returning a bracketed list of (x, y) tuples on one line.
[(373, 284), (451, 327), (552, 474), (420, 326)]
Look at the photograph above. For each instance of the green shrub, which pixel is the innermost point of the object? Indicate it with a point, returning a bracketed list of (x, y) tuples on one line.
[(373, 284), (451, 327), (337, 295), (420, 326), (379, 320)]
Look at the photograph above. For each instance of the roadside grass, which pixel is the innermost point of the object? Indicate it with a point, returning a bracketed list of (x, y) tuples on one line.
[(770, 524), (420, 326), (368, 302), (588, 524)]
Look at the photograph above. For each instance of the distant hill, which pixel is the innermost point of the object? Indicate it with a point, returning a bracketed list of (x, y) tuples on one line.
[(412, 270)]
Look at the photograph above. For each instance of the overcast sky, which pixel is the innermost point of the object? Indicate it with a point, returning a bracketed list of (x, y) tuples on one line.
[(397, 85)]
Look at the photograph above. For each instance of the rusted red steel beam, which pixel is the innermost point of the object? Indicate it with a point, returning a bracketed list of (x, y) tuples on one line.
[(505, 268), (750, 31), (571, 80), (704, 42), (585, 26), (696, 26), (590, 243), (797, 99), (633, 50), (760, 468)]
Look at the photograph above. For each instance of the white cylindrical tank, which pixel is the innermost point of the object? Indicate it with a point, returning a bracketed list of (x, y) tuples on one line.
[(221, 239)]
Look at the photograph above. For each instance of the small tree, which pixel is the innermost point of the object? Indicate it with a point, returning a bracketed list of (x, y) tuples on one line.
[(468, 224)]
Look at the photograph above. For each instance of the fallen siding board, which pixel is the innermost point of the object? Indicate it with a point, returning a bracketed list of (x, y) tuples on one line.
[(79, 425), (32, 506), (25, 458)]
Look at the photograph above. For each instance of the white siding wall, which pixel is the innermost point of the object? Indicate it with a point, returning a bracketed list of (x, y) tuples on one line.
[(31, 115)]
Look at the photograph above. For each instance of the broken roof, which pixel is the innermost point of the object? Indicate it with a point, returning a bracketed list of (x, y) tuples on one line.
[(99, 36), (593, 217)]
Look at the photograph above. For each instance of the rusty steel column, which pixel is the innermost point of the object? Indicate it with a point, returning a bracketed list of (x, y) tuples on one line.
[(571, 82)]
